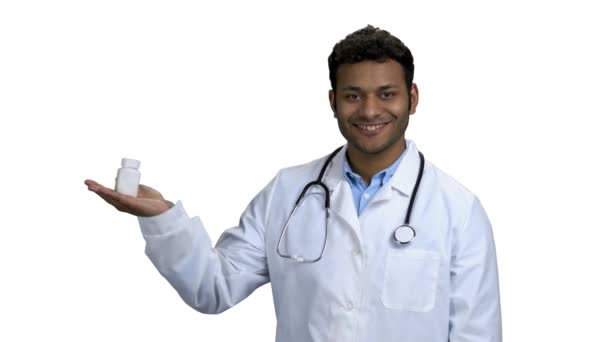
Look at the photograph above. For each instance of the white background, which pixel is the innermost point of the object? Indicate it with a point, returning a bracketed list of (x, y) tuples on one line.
[(215, 98)]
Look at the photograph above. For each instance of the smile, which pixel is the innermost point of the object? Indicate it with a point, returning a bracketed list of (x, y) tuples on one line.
[(371, 127)]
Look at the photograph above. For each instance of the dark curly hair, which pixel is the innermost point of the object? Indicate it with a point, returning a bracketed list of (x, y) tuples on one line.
[(371, 43)]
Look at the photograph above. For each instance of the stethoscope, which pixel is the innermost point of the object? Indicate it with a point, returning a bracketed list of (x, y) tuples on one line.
[(402, 235)]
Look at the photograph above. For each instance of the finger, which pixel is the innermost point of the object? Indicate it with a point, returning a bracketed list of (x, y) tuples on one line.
[(144, 189), (117, 196), (94, 186), (90, 182), (112, 201), (107, 193), (121, 202), (110, 194), (147, 188), (148, 192)]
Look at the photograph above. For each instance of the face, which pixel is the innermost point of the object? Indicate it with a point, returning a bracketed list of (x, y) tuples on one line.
[(372, 107)]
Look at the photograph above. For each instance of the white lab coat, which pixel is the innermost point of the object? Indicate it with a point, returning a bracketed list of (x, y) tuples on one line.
[(441, 287)]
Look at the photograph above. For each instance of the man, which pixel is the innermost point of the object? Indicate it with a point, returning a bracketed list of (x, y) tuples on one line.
[(345, 273)]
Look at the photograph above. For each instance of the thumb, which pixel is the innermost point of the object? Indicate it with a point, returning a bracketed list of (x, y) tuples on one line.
[(148, 192)]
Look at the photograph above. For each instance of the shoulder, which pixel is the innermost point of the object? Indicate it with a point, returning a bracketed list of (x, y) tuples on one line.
[(448, 183), (285, 187), (454, 196), (300, 174)]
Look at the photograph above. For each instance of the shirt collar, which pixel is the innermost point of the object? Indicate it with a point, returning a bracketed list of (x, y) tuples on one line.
[(384, 176), (403, 179)]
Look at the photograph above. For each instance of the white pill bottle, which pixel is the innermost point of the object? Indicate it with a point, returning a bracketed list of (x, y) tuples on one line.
[(127, 179)]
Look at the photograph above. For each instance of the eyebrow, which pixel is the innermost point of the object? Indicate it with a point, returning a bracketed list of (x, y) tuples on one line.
[(384, 87)]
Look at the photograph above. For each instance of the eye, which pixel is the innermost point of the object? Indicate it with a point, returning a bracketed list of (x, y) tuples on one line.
[(387, 94), (351, 97)]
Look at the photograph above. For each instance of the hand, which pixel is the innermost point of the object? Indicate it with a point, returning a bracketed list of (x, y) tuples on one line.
[(148, 202)]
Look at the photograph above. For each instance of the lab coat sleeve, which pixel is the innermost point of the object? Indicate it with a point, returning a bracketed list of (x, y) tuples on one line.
[(474, 300), (210, 280)]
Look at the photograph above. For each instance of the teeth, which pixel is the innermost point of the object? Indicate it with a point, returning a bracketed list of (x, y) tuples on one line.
[(371, 128)]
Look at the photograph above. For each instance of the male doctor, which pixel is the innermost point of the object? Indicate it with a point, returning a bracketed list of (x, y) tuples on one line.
[(345, 273)]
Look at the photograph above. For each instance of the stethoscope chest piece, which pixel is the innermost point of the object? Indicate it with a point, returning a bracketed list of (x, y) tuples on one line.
[(404, 234)]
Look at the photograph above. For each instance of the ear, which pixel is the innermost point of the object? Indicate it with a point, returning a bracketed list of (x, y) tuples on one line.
[(332, 101), (414, 96)]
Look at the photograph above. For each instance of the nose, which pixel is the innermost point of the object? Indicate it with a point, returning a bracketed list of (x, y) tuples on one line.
[(371, 107)]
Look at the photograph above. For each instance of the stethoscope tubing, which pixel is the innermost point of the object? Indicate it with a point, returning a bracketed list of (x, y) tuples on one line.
[(319, 182)]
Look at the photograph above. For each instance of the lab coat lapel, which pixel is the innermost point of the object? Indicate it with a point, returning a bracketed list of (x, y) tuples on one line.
[(341, 196), (404, 178), (406, 174), (343, 205)]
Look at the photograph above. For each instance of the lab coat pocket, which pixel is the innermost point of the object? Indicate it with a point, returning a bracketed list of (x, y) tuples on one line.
[(410, 280)]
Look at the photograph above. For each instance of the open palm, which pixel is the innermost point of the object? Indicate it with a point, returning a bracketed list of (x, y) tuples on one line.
[(148, 202)]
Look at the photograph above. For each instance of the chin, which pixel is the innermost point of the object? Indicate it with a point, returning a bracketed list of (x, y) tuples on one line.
[(371, 149)]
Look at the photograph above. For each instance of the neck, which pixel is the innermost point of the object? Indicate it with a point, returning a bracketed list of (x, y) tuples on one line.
[(367, 165)]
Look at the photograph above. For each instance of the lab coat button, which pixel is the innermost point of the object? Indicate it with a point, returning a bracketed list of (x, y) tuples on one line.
[(348, 306), (356, 252)]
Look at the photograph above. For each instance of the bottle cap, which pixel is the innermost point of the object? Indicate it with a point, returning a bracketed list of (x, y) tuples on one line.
[(132, 163)]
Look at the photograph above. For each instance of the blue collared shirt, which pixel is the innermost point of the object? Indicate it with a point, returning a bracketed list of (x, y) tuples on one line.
[(363, 193)]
